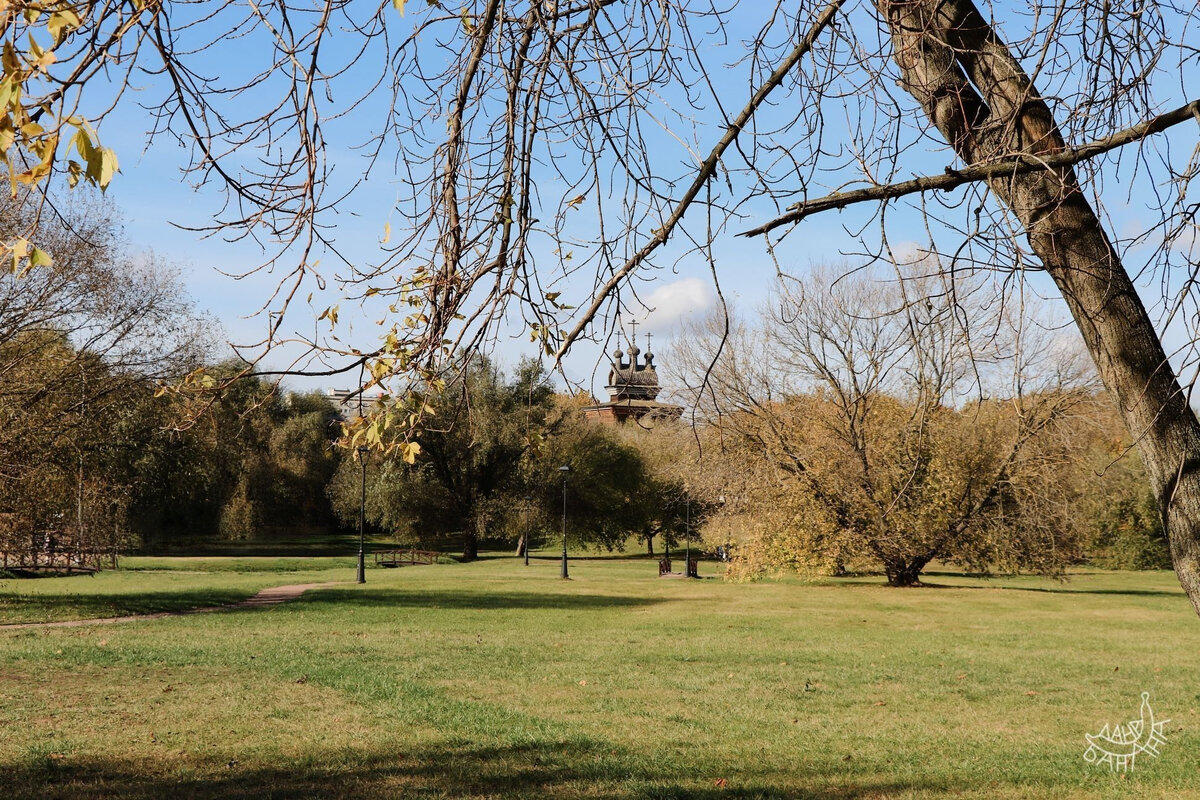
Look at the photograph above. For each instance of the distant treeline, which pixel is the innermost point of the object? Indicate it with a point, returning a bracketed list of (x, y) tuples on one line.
[(848, 428)]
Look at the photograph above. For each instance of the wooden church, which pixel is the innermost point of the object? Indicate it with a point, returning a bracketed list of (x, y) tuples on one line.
[(633, 391)]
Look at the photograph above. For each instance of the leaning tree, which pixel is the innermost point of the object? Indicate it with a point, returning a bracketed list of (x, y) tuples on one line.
[(550, 153)]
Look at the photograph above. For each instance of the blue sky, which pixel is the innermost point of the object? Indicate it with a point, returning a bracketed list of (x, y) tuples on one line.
[(153, 193)]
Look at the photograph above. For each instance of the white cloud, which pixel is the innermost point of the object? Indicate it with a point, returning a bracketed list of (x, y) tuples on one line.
[(672, 303)]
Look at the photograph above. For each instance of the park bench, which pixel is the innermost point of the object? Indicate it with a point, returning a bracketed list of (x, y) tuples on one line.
[(692, 569)]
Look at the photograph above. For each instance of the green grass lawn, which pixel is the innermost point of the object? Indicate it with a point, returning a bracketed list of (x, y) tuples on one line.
[(147, 585), (495, 680)]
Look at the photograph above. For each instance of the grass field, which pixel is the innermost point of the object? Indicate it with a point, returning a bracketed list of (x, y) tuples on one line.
[(495, 680)]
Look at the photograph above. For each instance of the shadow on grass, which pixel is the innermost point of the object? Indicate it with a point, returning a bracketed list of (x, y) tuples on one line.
[(856, 579), (315, 546), (618, 557), (1066, 589), (17, 608), (578, 767), (469, 599)]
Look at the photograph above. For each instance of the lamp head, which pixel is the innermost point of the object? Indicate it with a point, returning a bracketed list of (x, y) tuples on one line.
[(564, 469)]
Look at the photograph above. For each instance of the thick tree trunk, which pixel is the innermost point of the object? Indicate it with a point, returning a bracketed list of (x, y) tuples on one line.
[(905, 573), (650, 545), (470, 546), (521, 545), (981, 100)]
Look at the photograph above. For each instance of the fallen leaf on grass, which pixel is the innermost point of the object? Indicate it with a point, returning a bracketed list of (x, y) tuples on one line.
[(719, 783), (1031, 693), (881, 702)]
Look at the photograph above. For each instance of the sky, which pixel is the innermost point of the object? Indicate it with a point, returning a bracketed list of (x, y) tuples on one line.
[(156, 198)]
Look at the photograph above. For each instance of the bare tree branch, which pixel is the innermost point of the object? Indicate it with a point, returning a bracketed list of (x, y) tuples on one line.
[(706, 172), (953, 178)]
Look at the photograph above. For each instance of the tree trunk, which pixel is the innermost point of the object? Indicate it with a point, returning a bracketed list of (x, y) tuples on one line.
[(946, 50), (905, 573), (521, 545), (650, 545), (470, 546)]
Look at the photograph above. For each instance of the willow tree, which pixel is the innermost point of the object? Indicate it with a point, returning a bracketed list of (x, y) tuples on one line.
[(549, 153)]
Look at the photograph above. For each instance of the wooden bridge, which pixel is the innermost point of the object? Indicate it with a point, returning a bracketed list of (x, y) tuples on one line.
[(409, 556), (54, 562)]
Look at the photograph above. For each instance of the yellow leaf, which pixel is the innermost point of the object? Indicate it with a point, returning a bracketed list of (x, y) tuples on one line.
[(83, 144), (45, 60), (9, 58), (108, 167), (40, 258), (61, 23), (399, 6), (387, 227)]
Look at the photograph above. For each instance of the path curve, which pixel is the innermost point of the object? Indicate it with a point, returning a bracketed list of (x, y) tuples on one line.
[(271, 596)]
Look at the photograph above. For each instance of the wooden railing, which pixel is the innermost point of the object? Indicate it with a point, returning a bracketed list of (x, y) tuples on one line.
[(396, 558), (55, 561)]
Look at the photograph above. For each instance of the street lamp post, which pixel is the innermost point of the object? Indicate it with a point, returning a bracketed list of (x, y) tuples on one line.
[(362, 516), (527, 499), (565, 470), (725, 552), (687, 532)]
